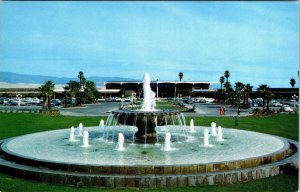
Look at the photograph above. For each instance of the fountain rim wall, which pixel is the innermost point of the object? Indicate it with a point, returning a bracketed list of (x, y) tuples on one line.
[(151, 169)]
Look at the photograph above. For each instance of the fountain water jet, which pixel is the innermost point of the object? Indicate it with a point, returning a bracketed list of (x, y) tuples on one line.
[(167, 146), (213, 129), (120, 142), (149, 96), (220, 134), (72, 135), (192, 128), (80, 130), (101, 125), (85, 139), (206, 138)]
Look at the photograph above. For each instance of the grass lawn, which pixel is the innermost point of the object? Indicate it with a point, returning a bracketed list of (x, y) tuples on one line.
[(285, 125)]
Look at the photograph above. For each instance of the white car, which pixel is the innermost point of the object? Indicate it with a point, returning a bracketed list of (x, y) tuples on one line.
[(286, 108), (35, 101)]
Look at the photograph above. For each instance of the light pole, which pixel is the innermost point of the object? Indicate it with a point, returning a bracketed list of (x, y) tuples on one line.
[(295, 97), (156, 88), (19, 96)]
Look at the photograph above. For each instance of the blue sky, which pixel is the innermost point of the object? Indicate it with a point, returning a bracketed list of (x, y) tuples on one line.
[(257, 42)]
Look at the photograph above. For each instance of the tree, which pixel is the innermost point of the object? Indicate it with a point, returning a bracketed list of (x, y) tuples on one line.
[(81, 78), (222, 80), (292, 82), (47, 91), (74, 88), (248, 90), (226, 75), (66, 92), (239, 87), (228, 90), (180, 75), (263, 91), (90, 92)]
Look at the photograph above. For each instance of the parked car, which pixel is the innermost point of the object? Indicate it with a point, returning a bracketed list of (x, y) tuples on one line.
[(275, 104), (286, 108), (101, 100), (27, 101), (55, 102), (35, 101), (15, 102), (4, 100)]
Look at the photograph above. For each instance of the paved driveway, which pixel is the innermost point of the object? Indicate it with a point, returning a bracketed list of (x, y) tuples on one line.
[(99, 109)]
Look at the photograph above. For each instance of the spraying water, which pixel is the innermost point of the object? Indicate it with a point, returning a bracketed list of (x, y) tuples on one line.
[(120, 142), (85, 139), (192, 127), (213, 129), (101, 125), (149, 96), (206, 138), (80, 130), (72, 135), (220, 134), (167, 146)]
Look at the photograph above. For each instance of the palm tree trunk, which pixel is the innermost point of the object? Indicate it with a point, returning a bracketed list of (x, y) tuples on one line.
[(49, 103), (244, 99)]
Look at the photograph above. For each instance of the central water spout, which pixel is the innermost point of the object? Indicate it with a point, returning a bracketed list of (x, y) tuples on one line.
[(149, 96)]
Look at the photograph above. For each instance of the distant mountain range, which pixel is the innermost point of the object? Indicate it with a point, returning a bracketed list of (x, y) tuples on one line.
[(9, 77)]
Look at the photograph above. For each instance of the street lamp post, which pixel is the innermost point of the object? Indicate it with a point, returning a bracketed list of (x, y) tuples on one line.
[(295, 97), (19, 96), (156, 88)]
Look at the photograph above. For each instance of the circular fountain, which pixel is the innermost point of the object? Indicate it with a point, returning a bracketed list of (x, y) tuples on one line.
[(147, 148)]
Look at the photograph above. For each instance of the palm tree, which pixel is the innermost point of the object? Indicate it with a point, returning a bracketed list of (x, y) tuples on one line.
[(292, 82), (222, 80), (80, 76), (239, 86), (74, 88), (90, 91), (226, 75), (180, 75), (248, 90), (47, 91), (263, 91), (66, 92), (269, 96), (228, 90)]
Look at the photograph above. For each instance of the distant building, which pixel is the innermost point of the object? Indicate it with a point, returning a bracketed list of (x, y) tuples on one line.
[(161, 88)]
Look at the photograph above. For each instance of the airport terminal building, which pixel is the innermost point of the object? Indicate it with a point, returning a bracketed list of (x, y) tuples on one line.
[(162, 89)]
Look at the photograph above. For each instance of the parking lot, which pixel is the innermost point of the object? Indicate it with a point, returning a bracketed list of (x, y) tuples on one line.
[(103, 108)]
